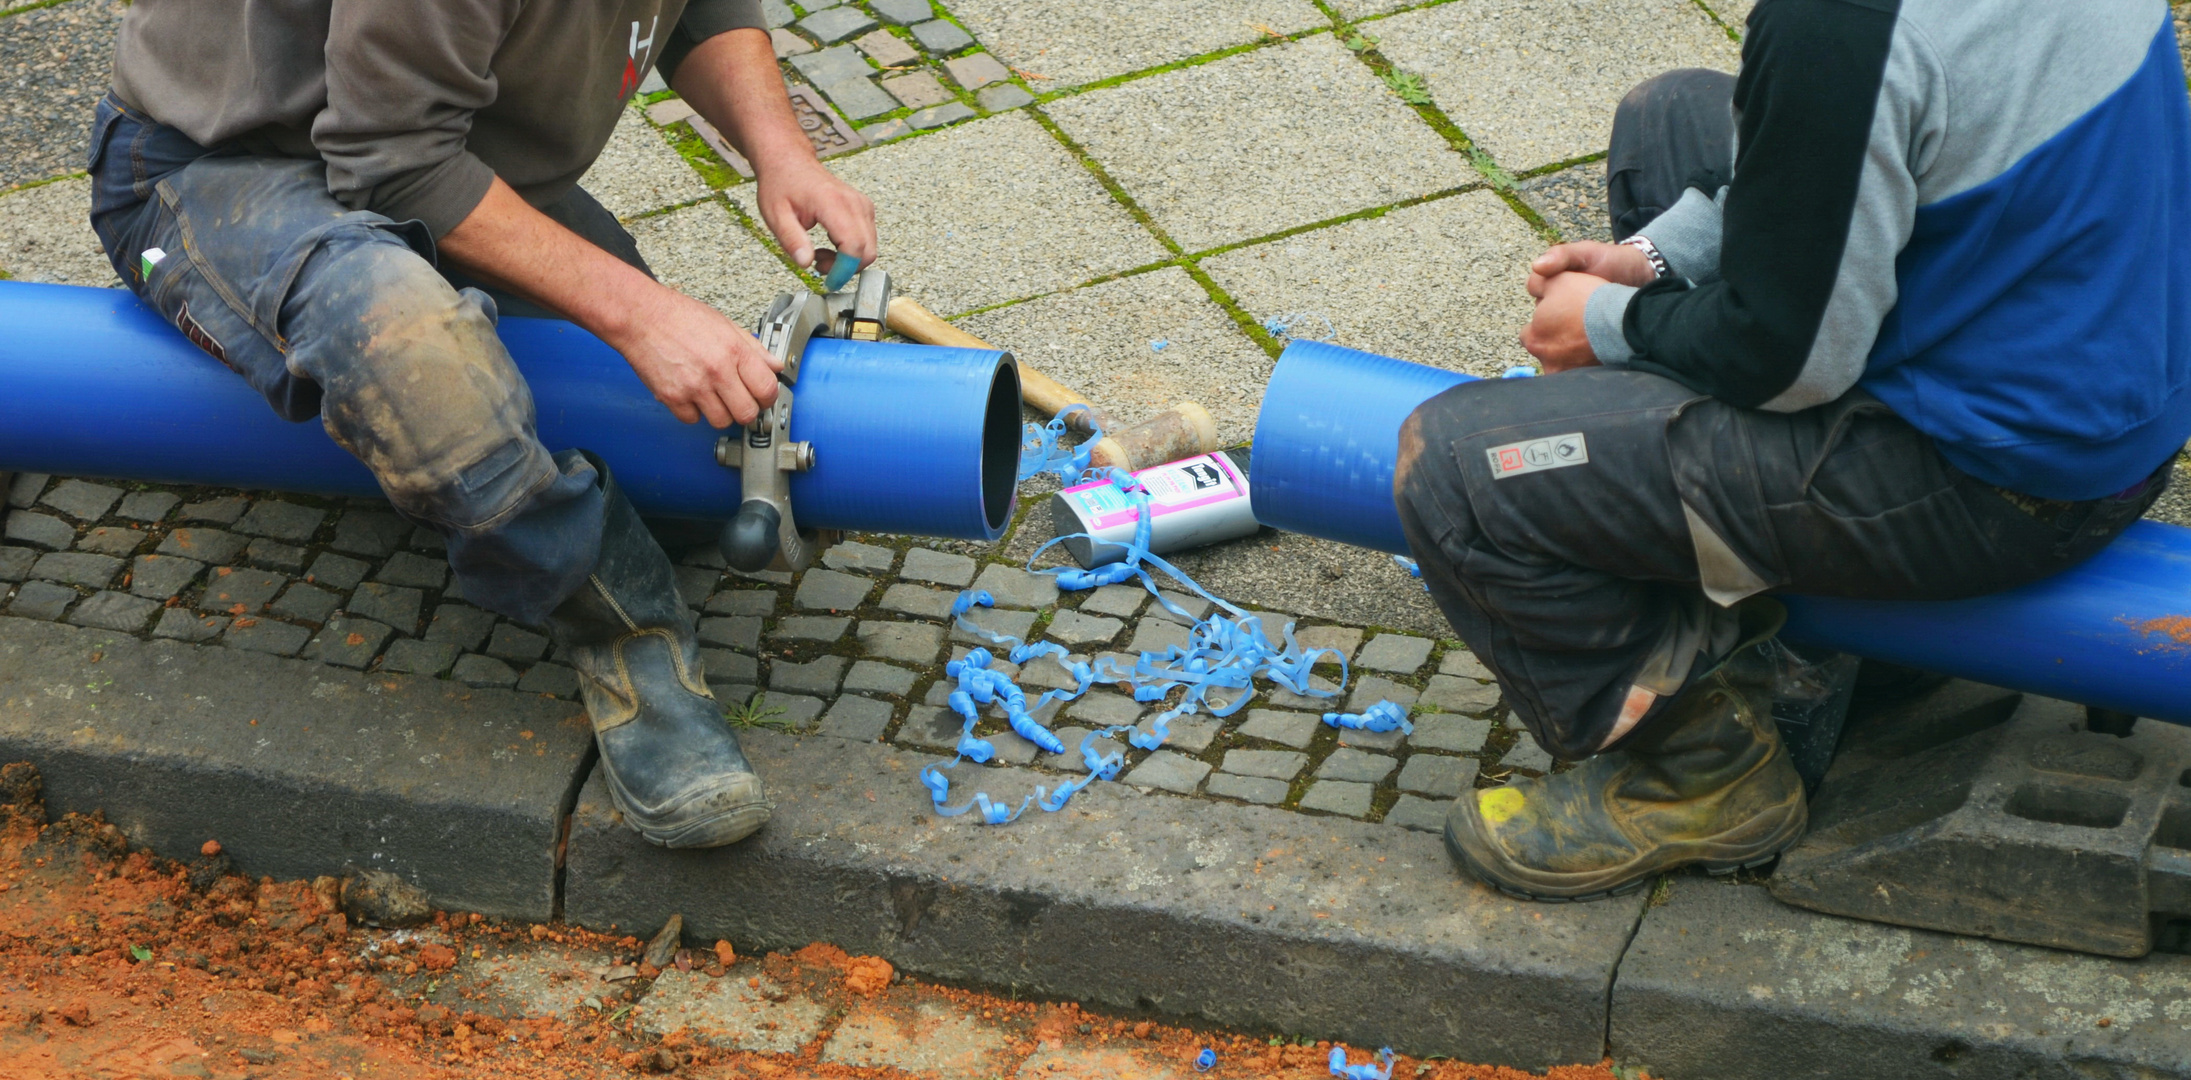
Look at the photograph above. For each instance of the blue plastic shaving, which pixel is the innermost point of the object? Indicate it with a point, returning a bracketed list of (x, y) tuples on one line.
[(1381, 717), (1206, 1060), (1214, 673), (1413, 568), (1366, 1071), (1518, 371), (1041, 450), (1285, 326), (1160, 344)]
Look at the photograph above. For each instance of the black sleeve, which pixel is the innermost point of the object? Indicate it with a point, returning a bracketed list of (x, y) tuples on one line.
[(1804, 102)]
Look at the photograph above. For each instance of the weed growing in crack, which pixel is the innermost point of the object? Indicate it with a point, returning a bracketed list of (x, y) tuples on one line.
[(755, 713), (1409, 86)]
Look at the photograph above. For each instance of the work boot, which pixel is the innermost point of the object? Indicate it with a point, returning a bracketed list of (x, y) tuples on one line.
[(1707, 781), (672, 763)]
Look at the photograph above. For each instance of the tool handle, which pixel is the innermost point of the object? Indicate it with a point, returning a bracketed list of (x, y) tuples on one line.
[(1046, 394)]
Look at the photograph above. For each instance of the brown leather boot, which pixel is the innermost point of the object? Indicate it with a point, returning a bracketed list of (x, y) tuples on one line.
[(1707, 781)]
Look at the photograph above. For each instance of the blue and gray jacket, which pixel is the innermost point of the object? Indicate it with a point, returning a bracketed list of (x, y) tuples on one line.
[(1977, 210)]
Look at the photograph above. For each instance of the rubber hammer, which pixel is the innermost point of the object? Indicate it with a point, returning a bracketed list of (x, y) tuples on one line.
[(1182, 431)]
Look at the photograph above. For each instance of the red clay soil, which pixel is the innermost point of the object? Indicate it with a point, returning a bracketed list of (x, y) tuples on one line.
[(116, 964)]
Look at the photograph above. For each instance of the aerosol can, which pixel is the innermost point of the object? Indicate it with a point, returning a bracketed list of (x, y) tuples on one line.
[(1193, 501)]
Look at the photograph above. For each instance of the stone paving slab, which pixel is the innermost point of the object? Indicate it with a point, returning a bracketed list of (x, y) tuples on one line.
[(703, 252), (1725, 982), (1443, 283), (1535, 81), (637, 171), (298, 769), (1204, 891), (1137, 346), (55, 63), (1243, 149), (1572, 201), (1073, 44), (45, 235), (951, 208)]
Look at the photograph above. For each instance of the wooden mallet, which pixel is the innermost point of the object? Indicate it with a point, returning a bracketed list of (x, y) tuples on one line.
[(1184, 430)]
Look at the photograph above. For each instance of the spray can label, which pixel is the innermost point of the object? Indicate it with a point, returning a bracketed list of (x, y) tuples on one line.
[(1176, 487)]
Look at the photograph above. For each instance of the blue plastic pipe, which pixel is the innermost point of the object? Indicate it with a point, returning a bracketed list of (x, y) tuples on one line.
[(908, 438), (2113, 632)]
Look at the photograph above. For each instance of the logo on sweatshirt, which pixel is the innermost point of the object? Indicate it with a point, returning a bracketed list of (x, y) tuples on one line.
[(639, 58)]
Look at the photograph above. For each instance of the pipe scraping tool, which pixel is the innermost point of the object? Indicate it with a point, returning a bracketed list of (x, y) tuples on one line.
[(764, 533)]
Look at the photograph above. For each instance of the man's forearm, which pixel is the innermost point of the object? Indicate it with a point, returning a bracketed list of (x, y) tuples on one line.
[(731, 79), (508, 244)]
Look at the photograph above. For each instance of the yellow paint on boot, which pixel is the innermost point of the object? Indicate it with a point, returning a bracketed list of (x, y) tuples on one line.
[(1498, 804)]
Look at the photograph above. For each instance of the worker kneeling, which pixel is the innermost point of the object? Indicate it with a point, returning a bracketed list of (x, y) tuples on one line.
[(1911, 320), (279, 181)]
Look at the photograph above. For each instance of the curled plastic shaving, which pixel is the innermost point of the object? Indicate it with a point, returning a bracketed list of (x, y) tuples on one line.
[(1282, 326), (1519, 371), (1413, 568), (1381, 717), (1206, 1060), (1365, 1071), (980, 686), (1040, 450), (1213, 673)]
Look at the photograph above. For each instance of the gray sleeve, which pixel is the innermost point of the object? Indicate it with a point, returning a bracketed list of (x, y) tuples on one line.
[(1687, 235), (1601, 320), (403, 80)]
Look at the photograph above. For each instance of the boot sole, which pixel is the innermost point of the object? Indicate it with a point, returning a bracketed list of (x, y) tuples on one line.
[(1629, 879), (727, 826)]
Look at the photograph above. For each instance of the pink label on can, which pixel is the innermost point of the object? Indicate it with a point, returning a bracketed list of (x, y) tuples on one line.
[(1174, 487)]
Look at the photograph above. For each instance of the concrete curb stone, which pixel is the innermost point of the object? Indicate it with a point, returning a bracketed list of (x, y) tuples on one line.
[(1205, 890), (296, 768), (1723, 981)]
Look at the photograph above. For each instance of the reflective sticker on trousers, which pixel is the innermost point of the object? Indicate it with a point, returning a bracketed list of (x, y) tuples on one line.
[(197, 334), (1537, 455)]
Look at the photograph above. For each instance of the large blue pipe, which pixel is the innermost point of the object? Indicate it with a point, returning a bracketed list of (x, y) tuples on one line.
[(2113, 632), (908, 438)]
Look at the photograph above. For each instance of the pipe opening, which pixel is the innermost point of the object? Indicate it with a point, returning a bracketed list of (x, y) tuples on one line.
[(1000, 435)]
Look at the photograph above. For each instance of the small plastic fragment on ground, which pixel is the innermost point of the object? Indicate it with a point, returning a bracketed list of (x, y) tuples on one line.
[(1206, 1060)]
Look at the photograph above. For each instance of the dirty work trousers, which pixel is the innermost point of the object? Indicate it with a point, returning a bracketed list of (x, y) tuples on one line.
[(1576, 575), (341, 314)]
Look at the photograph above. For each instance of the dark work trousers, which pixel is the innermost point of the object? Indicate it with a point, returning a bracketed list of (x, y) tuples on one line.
[(1588, 531), (341, 315), (1672, 133)]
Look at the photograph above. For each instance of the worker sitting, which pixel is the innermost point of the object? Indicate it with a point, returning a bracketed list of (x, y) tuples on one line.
[(1911, 320), (281, 181)]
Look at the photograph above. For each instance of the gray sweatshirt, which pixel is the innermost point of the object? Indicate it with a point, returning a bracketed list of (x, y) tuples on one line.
[(415, 105)]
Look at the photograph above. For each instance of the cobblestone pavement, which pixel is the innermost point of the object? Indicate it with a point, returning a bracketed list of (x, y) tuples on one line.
[(1079, 188)]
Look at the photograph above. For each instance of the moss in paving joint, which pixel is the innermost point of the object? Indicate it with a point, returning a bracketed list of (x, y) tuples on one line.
[(662, 211), (29, 184), (1103, 177), (1357, 215), (1261, 42), (1559, 166), (1544, 229), (41, 4), (1732, 33), (713, 171), (1239, 315)]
